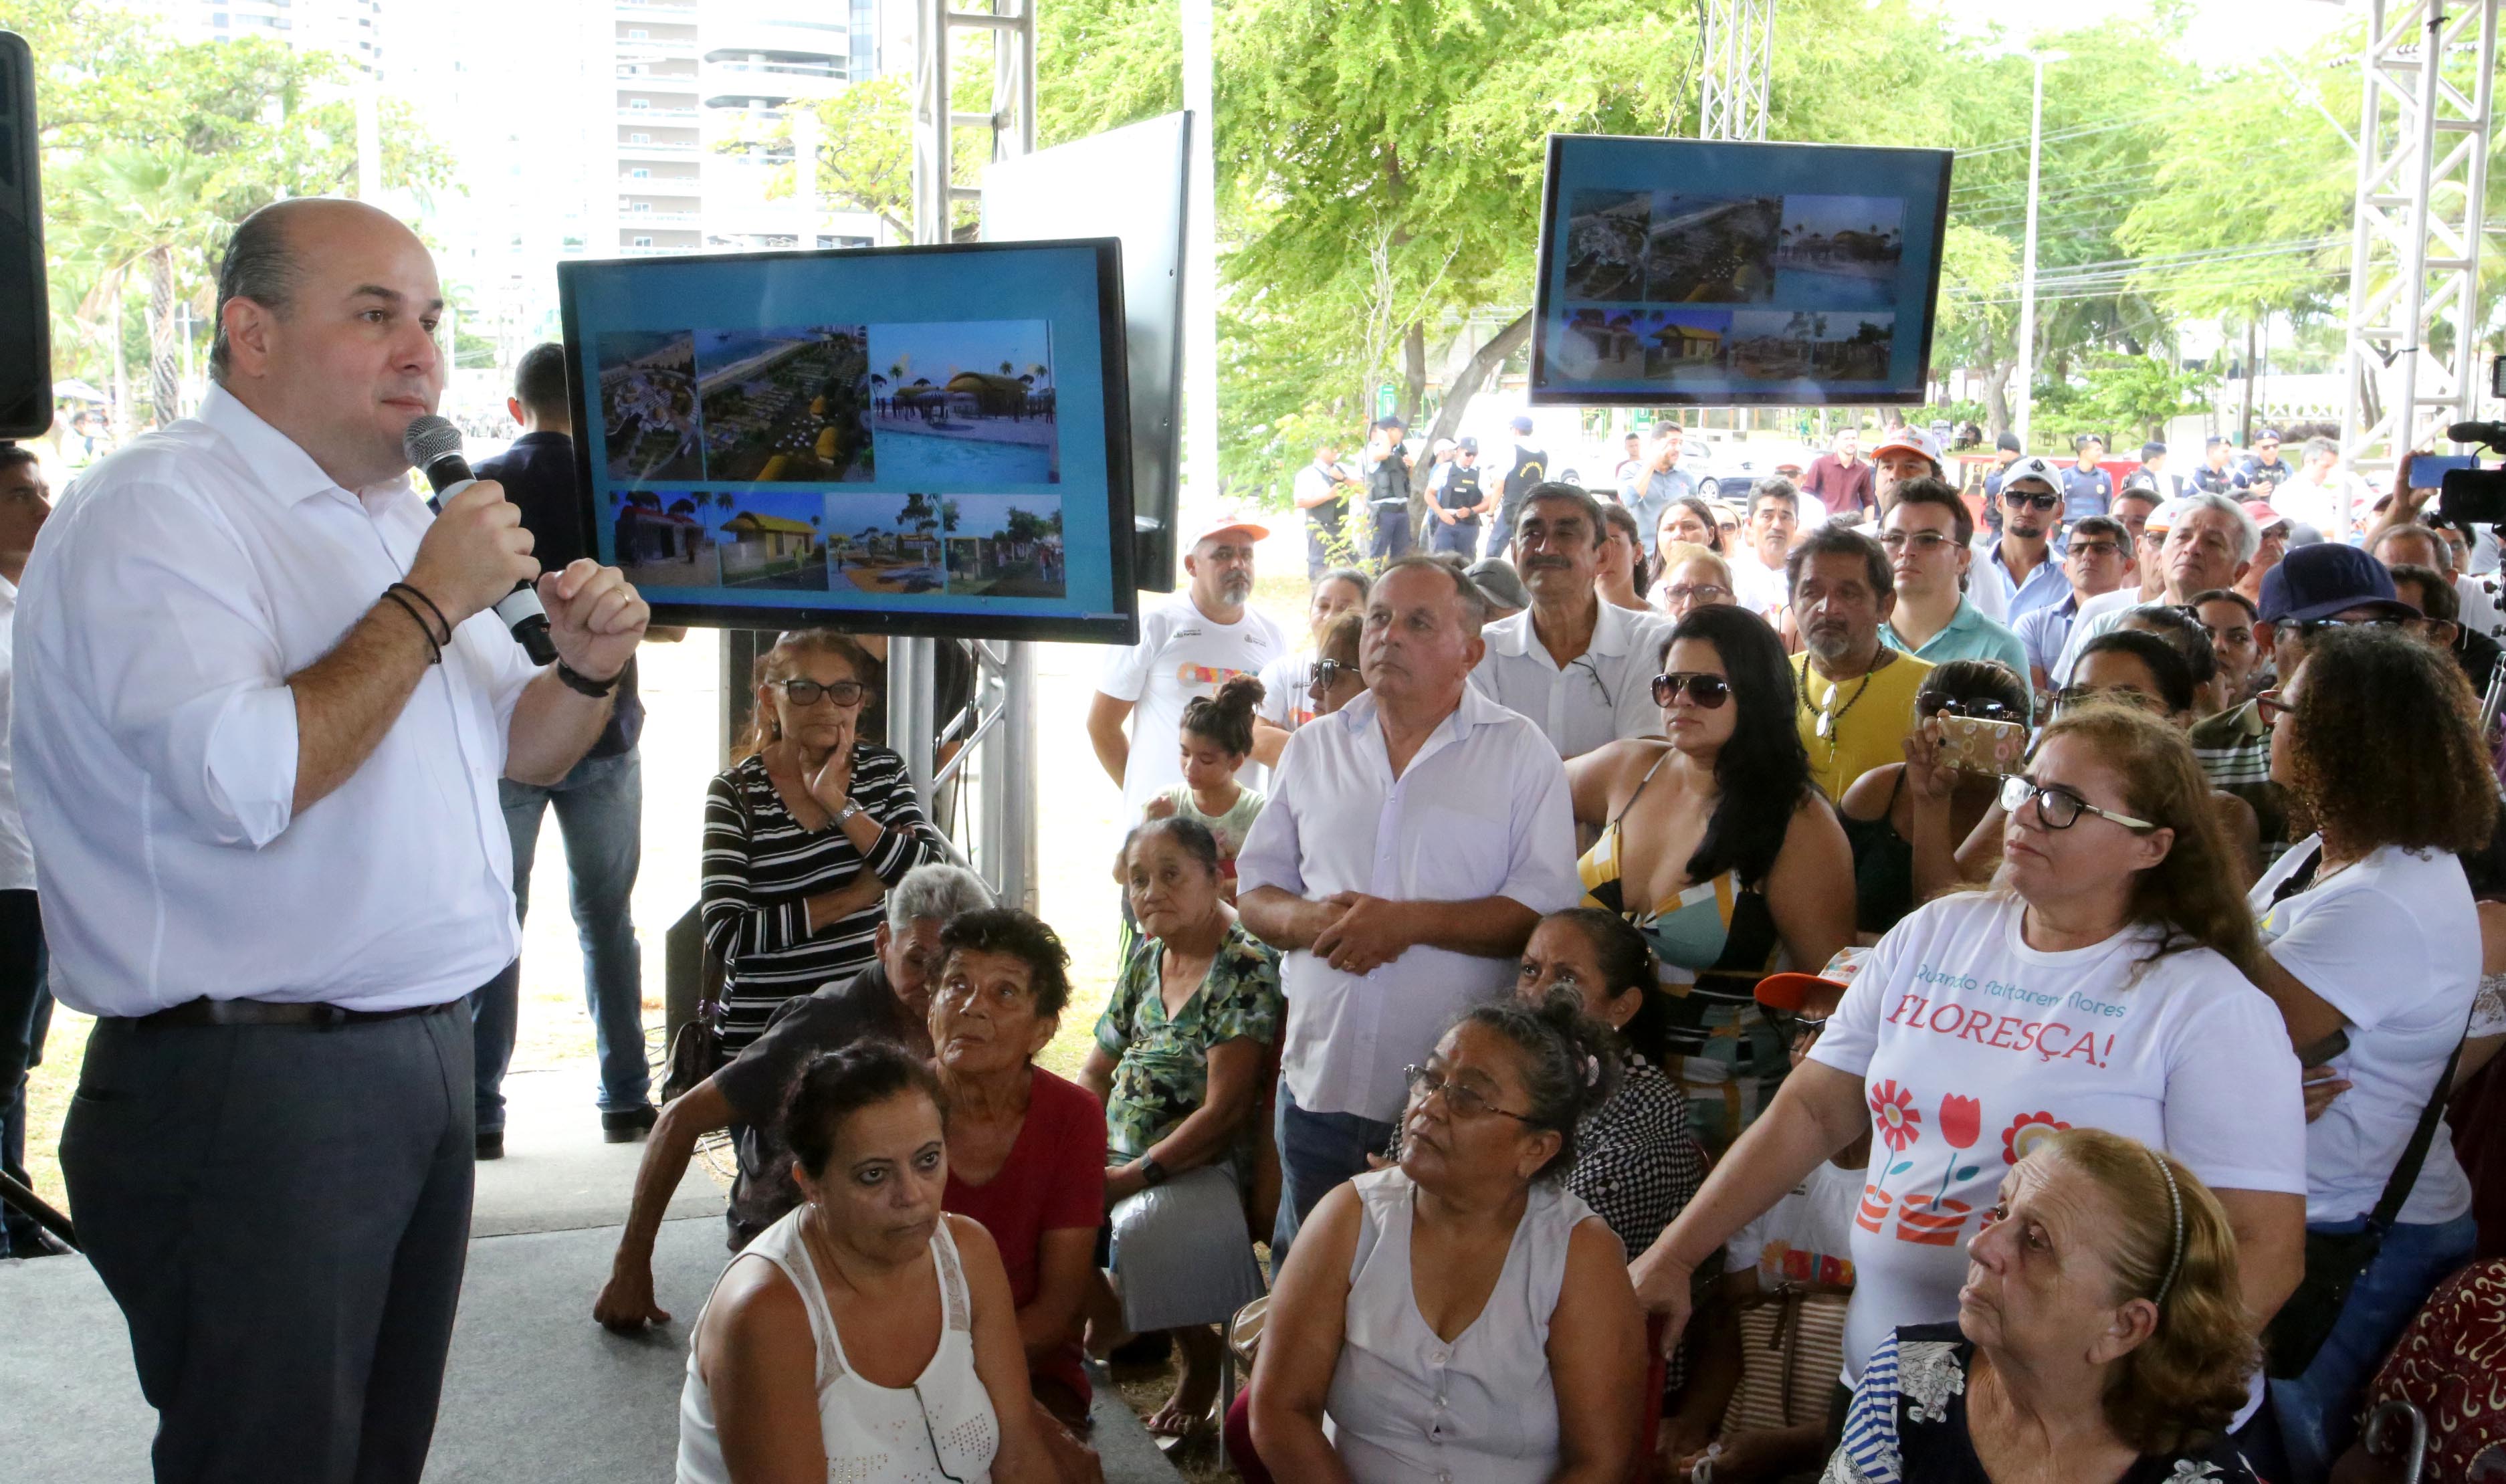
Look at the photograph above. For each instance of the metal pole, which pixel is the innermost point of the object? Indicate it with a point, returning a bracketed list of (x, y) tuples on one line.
[(2027, 372), (1201, 265)]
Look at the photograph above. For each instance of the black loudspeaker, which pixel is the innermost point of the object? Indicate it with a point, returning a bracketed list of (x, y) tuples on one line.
[(25, 314)]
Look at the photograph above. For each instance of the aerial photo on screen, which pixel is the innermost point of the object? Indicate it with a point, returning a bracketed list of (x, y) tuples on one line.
[(648, 403), (888, 544), (1004, 546), (1840, 251), (1605, 243), (788, 405), (1711, 250), (962, 404)]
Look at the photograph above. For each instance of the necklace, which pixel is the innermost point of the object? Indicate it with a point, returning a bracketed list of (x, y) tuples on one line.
[(1828, 721)]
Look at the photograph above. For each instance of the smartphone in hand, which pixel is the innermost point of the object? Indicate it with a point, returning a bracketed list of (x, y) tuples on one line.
[(1973, 745)]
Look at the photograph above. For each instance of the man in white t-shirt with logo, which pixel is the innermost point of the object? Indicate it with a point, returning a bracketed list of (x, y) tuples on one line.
[(1189, 646)]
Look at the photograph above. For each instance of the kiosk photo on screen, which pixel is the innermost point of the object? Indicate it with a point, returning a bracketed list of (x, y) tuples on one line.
[(916, 439), (1712, 272)]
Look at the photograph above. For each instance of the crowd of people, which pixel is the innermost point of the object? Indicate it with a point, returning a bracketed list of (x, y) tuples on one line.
[(1872, 986)]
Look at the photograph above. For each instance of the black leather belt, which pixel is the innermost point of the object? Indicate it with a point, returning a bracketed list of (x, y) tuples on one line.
[(192, 1013)]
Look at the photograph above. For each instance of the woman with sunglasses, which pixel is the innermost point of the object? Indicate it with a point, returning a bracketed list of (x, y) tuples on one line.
[(2372, 952), (1887, 808), (2102, 982), (1716, 847), (1462, 1315), (1335, 679), (803, 834)]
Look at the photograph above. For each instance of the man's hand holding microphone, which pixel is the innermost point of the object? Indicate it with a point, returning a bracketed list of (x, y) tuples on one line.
[(477, 557)]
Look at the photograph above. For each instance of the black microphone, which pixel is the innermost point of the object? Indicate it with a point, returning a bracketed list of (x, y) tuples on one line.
[(2493, 434), (434, 445)]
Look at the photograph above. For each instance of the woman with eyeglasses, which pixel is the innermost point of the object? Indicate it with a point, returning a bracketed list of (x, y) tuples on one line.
[(1462, 1315), (1716, 847), (2102, 982), (2155, 662), (804, 834), (1689, 577), (2372, 952), (1887, 808), (1336, 679)]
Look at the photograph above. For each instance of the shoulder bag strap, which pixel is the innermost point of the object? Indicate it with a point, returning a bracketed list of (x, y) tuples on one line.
[(2406, 1174)]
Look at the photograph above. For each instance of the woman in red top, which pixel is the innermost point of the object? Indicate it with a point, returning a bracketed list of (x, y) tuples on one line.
[(1027, 1149)]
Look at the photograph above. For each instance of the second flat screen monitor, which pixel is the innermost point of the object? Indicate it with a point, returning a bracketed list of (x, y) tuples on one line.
[(928, 440), (1685, 271)]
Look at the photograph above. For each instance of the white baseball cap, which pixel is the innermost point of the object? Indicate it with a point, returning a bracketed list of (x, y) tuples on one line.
[(1224, 522)]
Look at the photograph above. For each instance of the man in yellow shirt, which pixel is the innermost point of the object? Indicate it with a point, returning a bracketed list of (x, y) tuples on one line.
[(1855, 699)]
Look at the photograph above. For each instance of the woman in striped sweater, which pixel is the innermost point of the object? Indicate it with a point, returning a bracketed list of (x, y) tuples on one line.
[(805, 834)]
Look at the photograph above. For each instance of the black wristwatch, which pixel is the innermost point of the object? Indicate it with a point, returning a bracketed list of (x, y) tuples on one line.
[(575, 679), (1151, 1173)]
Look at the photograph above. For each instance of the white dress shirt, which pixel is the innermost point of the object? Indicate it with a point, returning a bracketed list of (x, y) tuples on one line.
[(1600, 697), (17, 857), (179, 585), (1480, 811)]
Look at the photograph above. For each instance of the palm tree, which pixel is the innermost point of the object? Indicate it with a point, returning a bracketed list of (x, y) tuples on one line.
[(142, 209)]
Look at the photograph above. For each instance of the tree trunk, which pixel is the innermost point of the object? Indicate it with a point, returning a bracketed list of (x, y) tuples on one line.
[(1483, 365), (120, 373), (165, 350), (1997, 395), (2246, 432), (1413, 369)]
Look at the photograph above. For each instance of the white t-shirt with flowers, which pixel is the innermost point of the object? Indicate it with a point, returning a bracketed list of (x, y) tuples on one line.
[(1970, 1044)]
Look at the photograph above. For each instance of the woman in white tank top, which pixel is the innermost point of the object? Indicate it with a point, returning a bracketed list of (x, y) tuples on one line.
[(1463, 1319), (931, 1387)]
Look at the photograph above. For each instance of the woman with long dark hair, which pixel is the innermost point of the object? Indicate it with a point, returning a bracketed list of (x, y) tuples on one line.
[(1715, 846)]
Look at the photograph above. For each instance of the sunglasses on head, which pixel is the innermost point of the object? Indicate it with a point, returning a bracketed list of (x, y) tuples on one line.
[(1706, 691)]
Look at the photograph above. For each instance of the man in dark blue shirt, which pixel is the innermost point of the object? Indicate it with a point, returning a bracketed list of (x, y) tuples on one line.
[(599, 804)]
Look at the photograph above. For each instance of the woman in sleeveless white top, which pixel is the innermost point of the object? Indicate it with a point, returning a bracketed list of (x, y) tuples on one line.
[(1383, 1361), (941, 1428)]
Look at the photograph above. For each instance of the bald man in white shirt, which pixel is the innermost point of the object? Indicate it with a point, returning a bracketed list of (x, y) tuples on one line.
[(263, 709)]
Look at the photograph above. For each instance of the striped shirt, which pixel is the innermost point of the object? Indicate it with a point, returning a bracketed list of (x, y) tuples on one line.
[(761, 868), (2234, 748)]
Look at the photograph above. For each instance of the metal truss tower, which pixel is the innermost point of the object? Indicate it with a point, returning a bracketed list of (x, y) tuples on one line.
[(995, 735), (2411, 361), (1740, 53)]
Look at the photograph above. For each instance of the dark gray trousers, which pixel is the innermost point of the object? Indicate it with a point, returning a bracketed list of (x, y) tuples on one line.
[(282, 1213)]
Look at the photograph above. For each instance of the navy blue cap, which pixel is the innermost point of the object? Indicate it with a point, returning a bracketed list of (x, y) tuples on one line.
[(1521, 425), (2008, 443), (2150, 451), (2319, 581)]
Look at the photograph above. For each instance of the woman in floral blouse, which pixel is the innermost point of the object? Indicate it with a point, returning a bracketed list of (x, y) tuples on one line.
[(1179, 1064), (2100, 1336)]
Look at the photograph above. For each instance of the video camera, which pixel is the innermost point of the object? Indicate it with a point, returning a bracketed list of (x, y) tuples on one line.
[(2470, 497)]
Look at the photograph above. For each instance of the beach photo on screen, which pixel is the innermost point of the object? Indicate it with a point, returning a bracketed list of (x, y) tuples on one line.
[(1004, 546), (787, 406), (1711, 250), (648, 403), (1769, 345), (887, 545), (1840, 251), (1605, 239), (964, 404), (658, 538), (772, 540)]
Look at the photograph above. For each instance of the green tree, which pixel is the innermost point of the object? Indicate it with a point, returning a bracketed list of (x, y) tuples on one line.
[(139, 211), (2139, 393)]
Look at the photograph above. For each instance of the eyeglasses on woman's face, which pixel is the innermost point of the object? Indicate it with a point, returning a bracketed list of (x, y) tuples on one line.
[(2056, 806), (1682, 594), (1709, 691), (1461, 1100), (809, 692), (2271, 705)]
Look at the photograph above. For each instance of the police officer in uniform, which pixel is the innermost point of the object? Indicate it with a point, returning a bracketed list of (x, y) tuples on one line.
[(1530, 467), (1460, 497), (1388, 490)]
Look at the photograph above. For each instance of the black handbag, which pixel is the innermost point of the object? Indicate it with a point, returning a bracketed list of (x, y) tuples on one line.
[(2334, 1259), (696, 1051)]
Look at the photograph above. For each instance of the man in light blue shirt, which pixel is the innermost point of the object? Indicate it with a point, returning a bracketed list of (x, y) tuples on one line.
[(2097, 561), (2021, 570), (1927, 534), (1655, 482)]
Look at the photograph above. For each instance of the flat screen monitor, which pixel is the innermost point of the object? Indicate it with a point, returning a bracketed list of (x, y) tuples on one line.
[(1125, 183), (1710, 272), (914, 439)]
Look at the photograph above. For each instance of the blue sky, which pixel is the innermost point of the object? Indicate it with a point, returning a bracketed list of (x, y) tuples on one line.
[(941, 348)]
